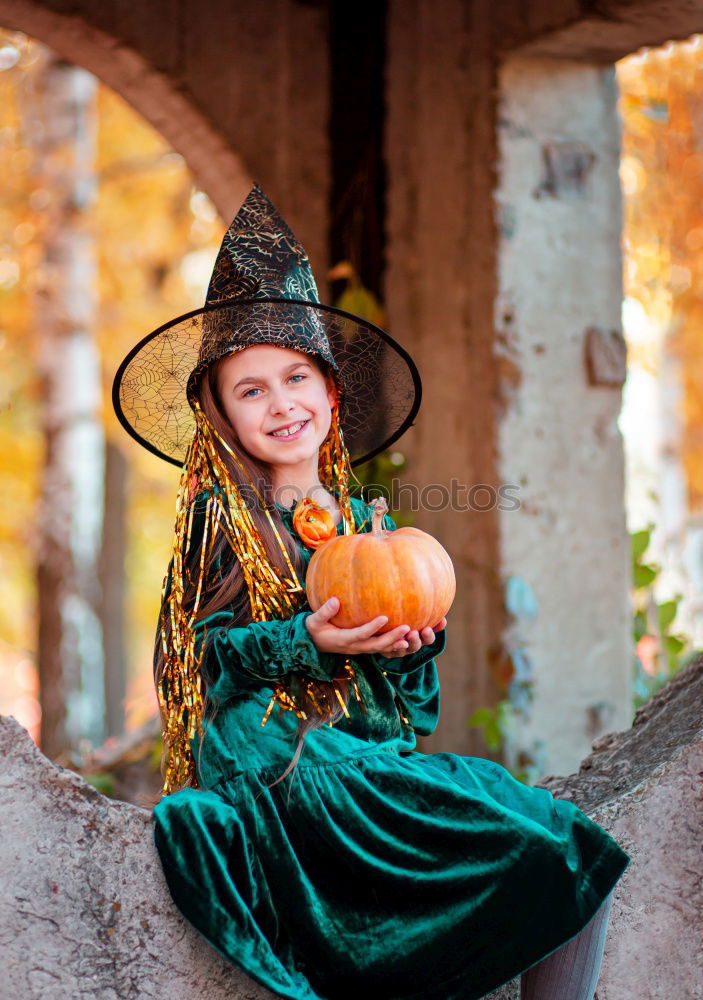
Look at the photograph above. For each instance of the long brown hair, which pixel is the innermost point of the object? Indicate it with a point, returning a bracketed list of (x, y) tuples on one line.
[(226, 589)]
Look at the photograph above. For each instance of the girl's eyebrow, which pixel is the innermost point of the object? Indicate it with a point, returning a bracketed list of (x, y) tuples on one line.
[(261, 378)]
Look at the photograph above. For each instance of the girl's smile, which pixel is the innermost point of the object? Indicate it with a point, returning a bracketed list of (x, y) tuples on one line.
[(266, 390), (291, 431)]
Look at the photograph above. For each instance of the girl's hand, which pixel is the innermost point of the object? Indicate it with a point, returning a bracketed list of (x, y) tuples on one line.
[(350, 641), (414, 640), (363, 639)]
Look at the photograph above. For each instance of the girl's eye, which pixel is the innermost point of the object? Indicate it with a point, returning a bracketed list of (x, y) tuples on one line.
[(257, 390)]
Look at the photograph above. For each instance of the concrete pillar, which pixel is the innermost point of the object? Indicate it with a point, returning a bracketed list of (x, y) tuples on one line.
[(440, 288), (492, 284), (559, 271)]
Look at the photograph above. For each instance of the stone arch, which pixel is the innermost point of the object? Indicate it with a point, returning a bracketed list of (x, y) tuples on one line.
[(218, 169)]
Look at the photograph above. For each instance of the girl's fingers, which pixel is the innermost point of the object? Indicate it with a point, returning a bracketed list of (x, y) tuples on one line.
[(414, 641), (391, 638), (397, 642), (369, 629), (391, 654), (378, 643), (327, 610), (397, 648), (400, 644)]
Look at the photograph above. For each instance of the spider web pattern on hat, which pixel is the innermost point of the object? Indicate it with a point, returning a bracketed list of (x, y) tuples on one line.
[(380, 388), (262, 291)]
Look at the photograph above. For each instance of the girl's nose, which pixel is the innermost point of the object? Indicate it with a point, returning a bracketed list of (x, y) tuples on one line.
[(281, 401)]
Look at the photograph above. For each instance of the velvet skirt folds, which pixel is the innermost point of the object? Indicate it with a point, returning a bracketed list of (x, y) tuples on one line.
[(387, 875)]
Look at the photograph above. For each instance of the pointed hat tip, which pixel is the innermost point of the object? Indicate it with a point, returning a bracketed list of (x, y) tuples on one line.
[(260, 257)]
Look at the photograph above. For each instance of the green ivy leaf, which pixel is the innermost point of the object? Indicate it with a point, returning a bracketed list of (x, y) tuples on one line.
[(639, 625), (667, 612), (156, 753), (492, 735), (640, 541), (360, 301), (486, 718), (672, 644), (480, 716), (643, 576)]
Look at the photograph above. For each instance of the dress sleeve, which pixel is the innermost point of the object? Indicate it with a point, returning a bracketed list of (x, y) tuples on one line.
[(415, 680), (418, 691), (244, 658)]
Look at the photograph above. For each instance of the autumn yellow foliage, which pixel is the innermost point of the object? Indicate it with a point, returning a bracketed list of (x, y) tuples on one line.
[(156, 237), (661, 108)]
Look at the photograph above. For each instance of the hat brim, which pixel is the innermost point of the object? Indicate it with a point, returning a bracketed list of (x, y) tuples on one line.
[(382, 390)]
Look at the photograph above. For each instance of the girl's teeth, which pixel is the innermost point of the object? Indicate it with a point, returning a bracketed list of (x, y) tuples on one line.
[(291, 430)]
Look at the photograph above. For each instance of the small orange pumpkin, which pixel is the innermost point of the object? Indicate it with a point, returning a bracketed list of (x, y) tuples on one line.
[(313, 524), (405, 574)]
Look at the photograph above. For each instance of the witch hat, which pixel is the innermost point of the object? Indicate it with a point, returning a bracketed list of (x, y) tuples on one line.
[(262, 291)]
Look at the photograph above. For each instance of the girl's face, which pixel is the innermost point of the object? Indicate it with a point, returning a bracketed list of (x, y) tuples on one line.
[(263, 389)]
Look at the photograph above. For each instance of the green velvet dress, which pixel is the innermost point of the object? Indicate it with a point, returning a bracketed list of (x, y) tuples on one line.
[(379, 871)]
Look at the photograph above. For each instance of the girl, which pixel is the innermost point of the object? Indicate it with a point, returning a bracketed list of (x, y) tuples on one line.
[(373, 870)]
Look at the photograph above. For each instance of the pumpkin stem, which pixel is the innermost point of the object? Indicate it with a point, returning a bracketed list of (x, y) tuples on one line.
[(380, 509)]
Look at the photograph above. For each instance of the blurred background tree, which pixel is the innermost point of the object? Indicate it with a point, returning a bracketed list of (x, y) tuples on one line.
[(103, 235), (661, 172)]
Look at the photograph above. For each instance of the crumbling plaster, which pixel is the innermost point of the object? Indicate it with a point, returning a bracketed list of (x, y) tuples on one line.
[(559, 271)]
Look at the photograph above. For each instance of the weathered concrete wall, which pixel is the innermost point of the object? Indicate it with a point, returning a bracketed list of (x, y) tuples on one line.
[(440, 287), (506, 400), (240, 90), (559, 273), (85, 911)]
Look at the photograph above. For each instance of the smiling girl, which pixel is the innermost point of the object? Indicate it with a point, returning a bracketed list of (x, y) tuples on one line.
[(280, 417), (375, 870)]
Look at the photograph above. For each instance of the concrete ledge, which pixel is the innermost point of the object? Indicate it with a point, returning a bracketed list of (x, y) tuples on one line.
[(645, 786), (84, 908), (85, 911)]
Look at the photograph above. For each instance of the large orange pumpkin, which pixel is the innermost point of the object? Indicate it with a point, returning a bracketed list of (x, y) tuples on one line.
[(405, 574)]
